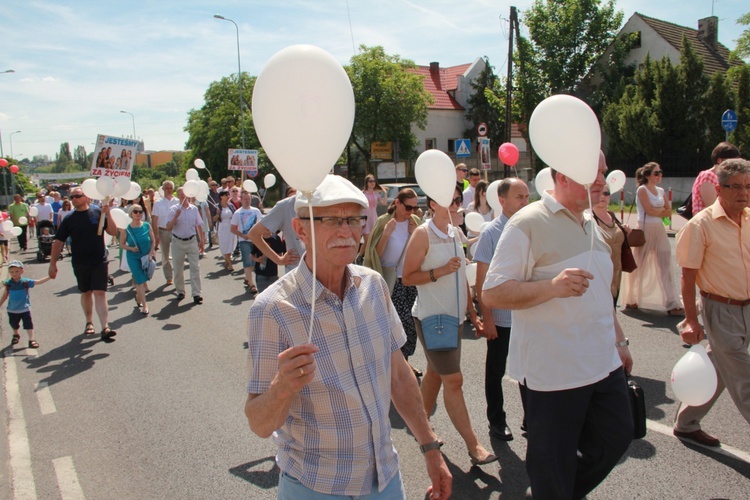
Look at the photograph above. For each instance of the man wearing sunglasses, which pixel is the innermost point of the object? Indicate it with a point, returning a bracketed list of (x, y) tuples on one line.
[(312, 396), (89, 258)]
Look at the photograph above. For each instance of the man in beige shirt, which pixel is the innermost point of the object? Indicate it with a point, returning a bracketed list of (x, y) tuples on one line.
[(713, 250)]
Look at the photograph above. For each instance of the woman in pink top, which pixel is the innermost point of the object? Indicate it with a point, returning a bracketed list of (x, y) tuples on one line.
[(375, 195), (704, 187)]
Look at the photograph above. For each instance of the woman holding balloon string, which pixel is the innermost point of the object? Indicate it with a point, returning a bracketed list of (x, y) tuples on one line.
[(137, 240), (651, 285), (433, 263)]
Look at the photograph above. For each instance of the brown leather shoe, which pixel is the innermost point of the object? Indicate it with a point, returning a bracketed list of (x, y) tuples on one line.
[(699, 437)]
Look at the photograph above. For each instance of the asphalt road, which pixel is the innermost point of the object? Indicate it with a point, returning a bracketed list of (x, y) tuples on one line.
[(158, 413)]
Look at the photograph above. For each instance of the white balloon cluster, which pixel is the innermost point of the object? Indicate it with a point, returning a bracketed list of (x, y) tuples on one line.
[(118, 187)]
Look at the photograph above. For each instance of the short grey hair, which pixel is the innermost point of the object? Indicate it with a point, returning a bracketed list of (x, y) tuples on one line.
[(165, 183), (729, 168)]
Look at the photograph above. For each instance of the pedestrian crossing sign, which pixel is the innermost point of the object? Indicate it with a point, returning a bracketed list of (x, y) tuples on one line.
[(463, 148)]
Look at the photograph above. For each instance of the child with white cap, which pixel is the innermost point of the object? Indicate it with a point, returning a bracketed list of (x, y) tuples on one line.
[(19, 304)]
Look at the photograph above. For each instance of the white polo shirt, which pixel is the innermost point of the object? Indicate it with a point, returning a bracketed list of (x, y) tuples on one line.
[(563, 343), (161, 210)]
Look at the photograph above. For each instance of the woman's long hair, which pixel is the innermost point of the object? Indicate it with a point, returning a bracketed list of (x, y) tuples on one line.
[(377, 184), (643, 173), (402, 196), (480, 188)]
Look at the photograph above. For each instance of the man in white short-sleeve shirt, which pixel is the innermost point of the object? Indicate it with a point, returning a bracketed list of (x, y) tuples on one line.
[(566, 344), (160, 219)]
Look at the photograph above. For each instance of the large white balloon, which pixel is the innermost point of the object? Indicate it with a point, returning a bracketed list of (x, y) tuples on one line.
[(7, 225), (199, 163), (565, 133), (23, 221), (694, 377), (303, 93), (122, 186), (191, 188), (250, 186), (269, 180), (33, 211), (436, 175), (492, 198), (474, 221), (89, 189), (203, 188), (119, 217), (192, 175), (202, 197), (105, 186), (615, 181), (543, 181), (134, 191), (16, 231), (471, 273)]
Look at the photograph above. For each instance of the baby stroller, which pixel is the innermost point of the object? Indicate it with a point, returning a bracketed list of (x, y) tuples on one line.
[(46, 237)]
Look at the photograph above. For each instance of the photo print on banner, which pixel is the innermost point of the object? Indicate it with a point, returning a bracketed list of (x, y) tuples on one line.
[(114, 156), (243, 159)]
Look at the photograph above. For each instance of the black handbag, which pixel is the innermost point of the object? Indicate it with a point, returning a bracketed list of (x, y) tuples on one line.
[(686, 209), (637, 408)]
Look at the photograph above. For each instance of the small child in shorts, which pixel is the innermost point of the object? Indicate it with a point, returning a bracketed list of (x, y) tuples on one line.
[(19, 303), (266, 270)]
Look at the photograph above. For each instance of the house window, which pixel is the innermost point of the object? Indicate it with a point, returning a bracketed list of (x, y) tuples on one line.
[(430, 144), (451, 145)]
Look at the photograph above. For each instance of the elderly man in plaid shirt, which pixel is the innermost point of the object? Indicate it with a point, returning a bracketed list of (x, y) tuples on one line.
[(326, 401)]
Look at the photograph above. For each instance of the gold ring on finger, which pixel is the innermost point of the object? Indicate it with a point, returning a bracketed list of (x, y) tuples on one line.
[(301, 372)]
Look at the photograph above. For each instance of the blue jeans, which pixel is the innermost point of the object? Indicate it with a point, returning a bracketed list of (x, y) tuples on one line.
[(291, 489), (246, 248)]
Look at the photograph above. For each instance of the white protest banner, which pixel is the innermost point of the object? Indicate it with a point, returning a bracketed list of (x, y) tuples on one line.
[(113, 156), (243, 159)]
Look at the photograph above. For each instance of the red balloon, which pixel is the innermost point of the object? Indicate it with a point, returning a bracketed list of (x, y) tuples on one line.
[(14, 169), (3, 163), (508, 153)]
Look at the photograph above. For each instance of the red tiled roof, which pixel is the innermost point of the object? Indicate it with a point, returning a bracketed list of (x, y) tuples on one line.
[(713, 60), (439, 83)]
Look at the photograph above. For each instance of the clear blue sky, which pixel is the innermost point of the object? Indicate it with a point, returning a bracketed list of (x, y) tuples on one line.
[(79, 63)]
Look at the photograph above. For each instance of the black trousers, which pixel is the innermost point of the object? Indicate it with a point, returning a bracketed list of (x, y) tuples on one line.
[(594, 420), (22, 237), (494, 371)]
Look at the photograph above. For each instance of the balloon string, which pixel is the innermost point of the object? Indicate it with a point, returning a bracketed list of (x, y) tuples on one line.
[(314, 266), (591, 208)]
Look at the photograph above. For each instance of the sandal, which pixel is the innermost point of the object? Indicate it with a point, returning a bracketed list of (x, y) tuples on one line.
[(33, 344), (631, 306), (108, 333), (677, 311), (16, 339), (145, 311), (89, 329), (253, 290)]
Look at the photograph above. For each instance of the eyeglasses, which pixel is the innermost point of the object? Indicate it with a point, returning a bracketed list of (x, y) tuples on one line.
[(457, 200), (463, 169), (737, 187), (136, 211), (76, 196), (410, 208), (657, 172), (606, 193), (356, 221)]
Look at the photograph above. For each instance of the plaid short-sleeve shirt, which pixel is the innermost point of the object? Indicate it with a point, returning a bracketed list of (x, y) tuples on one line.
[(337, 437)]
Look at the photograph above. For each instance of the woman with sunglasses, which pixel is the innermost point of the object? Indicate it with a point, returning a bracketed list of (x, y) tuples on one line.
[(651, 285), (385, 254), (434, 262), (375, 196), (138, 241), (227, 240), (480, 205), (613, 235)]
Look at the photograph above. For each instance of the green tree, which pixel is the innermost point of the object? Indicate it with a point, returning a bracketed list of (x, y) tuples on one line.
[(487, 105), (569, 36), (217, 126), (388, 99), (719, 98), (741, 135), (529, 86), (80, 157), (742, 50)]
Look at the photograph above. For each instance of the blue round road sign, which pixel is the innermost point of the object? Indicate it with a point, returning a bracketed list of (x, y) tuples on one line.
[(729, 120)]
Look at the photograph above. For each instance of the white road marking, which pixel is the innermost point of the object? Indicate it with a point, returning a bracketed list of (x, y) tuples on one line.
[(22, 479), (724, 449), (44, 396), (67, 479)]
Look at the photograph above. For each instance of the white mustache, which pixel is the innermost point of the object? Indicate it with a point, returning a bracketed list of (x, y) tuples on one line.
[(342, 242)]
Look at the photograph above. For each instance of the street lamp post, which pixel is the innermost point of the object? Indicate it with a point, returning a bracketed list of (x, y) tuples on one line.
[(239, 79), (133, 117), (11, 142)]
